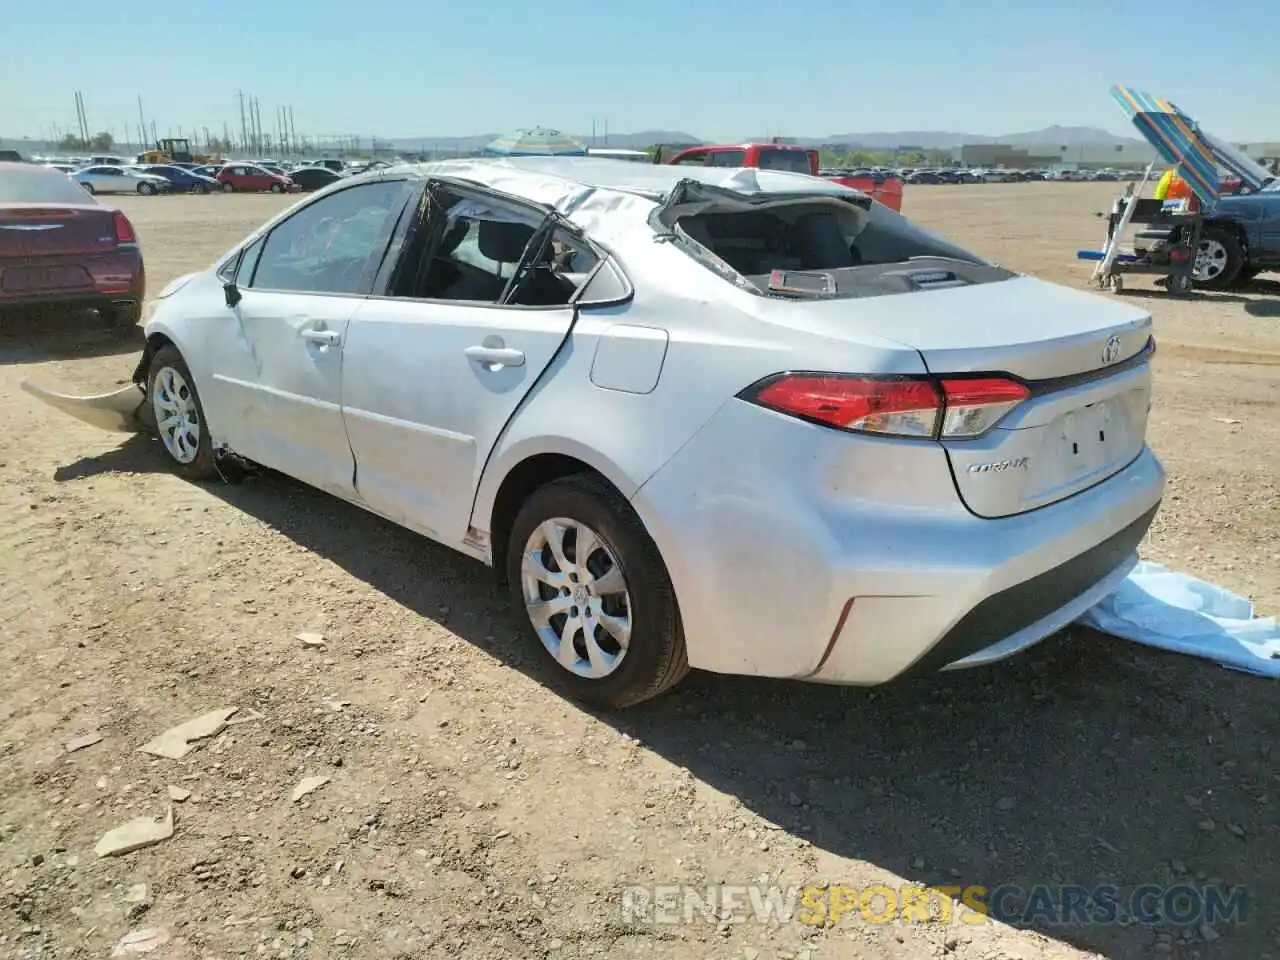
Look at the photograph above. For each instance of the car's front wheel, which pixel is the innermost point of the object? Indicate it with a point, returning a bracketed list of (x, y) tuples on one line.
[(179, 416), (146, 189), (88, 187), (1219, 259), (594, 593), (277, 188)]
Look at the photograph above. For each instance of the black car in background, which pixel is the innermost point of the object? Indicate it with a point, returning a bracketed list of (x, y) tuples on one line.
[(313, 178)]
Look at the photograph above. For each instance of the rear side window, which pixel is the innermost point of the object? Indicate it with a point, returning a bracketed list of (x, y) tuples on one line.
[(40, 185), (727, 158), (792, 161)]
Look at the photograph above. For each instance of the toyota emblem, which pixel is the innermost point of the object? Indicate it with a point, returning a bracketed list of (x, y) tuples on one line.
[(1111, 351)]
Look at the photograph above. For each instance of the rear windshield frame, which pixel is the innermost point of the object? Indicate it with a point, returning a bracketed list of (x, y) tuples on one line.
[(701, 200)]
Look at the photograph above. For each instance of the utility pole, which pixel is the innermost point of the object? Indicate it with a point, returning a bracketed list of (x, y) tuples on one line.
[(81, 120), (142, 124), (257, 121), (293, 131), (244, 130)]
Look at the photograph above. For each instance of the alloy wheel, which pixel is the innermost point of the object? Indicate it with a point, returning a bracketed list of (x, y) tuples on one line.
[(1211, 260), (177, 416), (576, 597)]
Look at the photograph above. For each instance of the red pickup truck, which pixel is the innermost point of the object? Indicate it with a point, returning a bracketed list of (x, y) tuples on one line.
[(779, 156)]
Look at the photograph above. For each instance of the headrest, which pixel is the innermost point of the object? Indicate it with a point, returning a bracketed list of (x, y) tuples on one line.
[(503, 241)]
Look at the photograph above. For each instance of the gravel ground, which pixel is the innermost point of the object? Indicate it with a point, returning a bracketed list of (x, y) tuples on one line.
[(471, 813)]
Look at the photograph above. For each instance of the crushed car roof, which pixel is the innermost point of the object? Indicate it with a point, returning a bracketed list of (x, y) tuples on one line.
[(569, 183)]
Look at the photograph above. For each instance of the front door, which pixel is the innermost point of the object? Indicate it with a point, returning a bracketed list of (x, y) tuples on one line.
[(279, 382), (433, 371)]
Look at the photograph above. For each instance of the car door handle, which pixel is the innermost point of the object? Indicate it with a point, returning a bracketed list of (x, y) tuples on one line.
[(496, 356), (324, 337)]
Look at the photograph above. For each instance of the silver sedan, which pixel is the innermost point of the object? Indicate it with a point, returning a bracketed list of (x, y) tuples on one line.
[(111, 179), (739, 420)]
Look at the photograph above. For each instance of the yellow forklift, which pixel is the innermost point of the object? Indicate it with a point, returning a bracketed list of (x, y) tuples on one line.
[(175, 150)]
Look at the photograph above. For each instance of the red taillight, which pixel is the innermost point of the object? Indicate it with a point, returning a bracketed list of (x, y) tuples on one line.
[(974, 406), (919, 407), (124, 229), (900, 406)]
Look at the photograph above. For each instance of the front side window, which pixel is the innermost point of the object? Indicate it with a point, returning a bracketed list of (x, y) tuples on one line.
[(698, 159), (327, 246)]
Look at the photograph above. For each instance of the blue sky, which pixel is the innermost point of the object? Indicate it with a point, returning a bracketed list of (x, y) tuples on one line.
[(712, 68)]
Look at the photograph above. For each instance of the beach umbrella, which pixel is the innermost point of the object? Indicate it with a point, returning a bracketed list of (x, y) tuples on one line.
[(536, 142), (1182, 142)]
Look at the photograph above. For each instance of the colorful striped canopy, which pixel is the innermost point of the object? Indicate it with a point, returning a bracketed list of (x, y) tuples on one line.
[(1181, 142), (536, 142)]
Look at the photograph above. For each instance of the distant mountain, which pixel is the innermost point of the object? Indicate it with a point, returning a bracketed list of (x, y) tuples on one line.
[(1070, 137), (945, 140), (925, 139), (471, 144)]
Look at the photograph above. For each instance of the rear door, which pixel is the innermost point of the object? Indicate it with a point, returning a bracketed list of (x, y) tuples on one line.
[(277, 374), (434, 368)]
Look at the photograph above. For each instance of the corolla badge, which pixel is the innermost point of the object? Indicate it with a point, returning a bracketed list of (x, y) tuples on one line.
[(1111, 349), (1000, 466)]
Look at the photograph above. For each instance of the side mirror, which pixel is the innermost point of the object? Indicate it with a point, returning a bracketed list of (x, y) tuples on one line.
[(232, 293)]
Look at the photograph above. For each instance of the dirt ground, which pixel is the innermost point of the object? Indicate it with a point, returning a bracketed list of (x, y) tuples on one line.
[(473, 814)]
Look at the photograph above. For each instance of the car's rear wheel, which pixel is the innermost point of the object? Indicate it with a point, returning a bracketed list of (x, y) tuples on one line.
[(146, 189), (594, 593), (227, 188), (179, 415), (88, 187), (1219, 259)]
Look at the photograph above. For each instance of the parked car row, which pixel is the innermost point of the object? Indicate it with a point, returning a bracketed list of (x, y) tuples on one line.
[(180, 177), (956, 175)]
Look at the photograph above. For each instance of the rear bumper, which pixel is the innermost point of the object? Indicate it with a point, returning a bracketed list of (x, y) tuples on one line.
[(114, 280), (844, 559)]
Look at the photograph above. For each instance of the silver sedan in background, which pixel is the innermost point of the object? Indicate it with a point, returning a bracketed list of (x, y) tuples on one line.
[(110, 179)]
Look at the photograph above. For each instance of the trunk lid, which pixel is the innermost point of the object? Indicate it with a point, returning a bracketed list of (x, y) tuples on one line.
[(1084, 358), (1022, 326), (34, 230)]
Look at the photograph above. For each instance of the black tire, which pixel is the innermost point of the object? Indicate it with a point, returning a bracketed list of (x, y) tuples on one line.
[(146, 189), (1232, 258), (1247, 275), (227, 188), (204, 465), (88, 188), (655, 659), (277, 188)]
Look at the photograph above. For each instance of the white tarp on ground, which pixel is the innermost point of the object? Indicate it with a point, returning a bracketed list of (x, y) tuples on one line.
[(1173, 611)]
